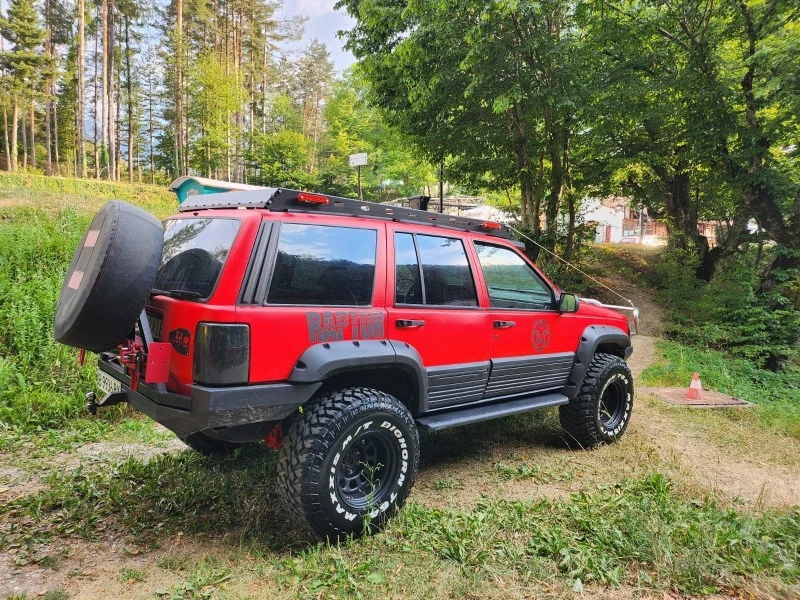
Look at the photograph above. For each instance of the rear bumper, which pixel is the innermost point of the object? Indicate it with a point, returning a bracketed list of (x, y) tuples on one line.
[(208, 407)]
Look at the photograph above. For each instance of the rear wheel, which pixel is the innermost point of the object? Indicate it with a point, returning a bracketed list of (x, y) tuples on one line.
[(348, 462), (601, 411)]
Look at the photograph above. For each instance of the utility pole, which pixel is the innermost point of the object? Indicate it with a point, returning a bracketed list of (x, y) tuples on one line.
[(441, 187)]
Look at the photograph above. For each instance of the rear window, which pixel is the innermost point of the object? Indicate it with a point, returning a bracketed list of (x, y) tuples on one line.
[(194, 253), (322, 264)]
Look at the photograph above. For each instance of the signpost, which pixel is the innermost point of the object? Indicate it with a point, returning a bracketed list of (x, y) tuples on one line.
[(358, 161)]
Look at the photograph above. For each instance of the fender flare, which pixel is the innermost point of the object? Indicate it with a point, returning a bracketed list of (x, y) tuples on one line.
[(592, 337), (322, 361)]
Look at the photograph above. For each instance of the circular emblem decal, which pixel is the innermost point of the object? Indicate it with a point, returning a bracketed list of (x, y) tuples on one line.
[(540, 336)]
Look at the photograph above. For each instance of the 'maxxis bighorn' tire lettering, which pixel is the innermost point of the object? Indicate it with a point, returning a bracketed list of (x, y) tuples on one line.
[(601, 411), (348, 462)]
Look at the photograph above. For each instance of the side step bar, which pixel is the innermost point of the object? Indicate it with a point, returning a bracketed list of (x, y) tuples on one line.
[(476, 414)]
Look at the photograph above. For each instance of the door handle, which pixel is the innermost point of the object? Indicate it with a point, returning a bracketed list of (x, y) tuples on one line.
[(409, 323), (504, 324)]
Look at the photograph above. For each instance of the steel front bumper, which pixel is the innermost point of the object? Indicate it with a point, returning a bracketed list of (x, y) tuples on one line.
[(208, 407)]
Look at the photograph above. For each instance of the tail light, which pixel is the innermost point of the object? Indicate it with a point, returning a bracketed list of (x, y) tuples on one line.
[(221, 354)]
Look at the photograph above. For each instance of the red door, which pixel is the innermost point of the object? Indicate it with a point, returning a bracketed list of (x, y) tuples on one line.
[(433, 306), (531, 351)]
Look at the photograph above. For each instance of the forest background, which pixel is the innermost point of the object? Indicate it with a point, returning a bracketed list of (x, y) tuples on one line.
[(691, 108)]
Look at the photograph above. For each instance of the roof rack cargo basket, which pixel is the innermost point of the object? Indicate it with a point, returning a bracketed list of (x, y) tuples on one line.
[(282, 200)]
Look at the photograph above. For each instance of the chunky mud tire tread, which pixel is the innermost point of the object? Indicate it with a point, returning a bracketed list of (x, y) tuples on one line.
[(110, 278), (310, 437), (579, 417), (209, 446)]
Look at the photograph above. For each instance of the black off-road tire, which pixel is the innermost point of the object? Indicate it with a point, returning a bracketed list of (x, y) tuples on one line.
[(601, 411), (109, 278), (209, 446), (321, 470)]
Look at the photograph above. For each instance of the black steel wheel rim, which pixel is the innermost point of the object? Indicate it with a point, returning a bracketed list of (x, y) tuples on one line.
[(612, 404), (366, 471)]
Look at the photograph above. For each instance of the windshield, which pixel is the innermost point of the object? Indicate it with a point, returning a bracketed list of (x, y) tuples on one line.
[(194, 254)]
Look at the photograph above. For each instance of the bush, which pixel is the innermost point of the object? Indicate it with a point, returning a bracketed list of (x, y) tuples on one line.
[(728, 313)]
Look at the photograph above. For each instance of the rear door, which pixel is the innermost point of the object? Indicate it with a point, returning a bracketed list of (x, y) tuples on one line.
[(434, 307), (532, 347)]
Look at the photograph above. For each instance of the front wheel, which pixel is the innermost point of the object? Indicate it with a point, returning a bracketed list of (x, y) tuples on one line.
[(601, 411), (348, 462)]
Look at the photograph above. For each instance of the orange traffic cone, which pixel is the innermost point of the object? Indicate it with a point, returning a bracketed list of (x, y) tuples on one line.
[(695, 388)]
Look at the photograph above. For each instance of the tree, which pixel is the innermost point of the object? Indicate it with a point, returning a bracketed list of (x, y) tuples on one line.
[(215, 99), (314, 78), (281, 158), (22, 29), (499, 102), (80, 165), (734, 70)]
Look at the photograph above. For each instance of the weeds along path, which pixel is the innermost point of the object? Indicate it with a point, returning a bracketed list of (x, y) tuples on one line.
[(692, 448)]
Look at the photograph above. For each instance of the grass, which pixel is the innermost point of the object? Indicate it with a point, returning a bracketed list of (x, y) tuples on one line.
[(41, 384), (776, 396), (640, 532)]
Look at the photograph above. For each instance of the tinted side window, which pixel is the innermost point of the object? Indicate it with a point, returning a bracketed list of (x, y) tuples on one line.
[(407, 286), (511, 281), (445, 272), (324, 265)]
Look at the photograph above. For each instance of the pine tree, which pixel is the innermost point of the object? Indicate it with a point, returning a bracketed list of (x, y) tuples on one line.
[(22, 29)]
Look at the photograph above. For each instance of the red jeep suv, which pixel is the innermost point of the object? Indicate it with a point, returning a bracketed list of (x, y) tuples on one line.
[(334, 329)]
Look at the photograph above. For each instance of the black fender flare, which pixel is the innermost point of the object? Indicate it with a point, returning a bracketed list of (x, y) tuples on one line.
[(593, 337), (322, 361)]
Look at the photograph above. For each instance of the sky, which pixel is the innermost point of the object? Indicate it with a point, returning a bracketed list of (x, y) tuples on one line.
[(323, 23)]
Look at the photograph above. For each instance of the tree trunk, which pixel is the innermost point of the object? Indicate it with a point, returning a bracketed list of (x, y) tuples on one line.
[(24, 140), (113, 99), (106, 84), (129, 91), (179, 88), (80, 160), (554, 133), (33, 137), (9, 163), (54, 106), (96, 109), (48, 151), (48, 163), (571, 199), (150, 128), (14, 135)]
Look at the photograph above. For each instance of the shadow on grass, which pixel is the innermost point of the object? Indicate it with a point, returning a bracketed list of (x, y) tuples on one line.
[(536, 429), (234, 496)]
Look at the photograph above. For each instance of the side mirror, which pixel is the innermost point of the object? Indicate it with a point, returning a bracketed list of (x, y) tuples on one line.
[(568, 303)]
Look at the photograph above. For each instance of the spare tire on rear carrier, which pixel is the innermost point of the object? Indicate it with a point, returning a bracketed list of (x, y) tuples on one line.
[(109, 278)]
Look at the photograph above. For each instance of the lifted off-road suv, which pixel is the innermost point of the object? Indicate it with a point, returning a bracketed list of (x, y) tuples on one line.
[(334, 329)]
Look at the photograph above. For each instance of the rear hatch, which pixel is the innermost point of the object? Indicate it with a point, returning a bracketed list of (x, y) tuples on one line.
[(191, 271)]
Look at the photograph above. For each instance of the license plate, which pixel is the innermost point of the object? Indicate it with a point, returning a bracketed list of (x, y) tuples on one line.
[(156, 323), (107, 383)]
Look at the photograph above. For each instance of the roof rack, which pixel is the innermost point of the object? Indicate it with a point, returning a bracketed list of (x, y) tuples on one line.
[(282, 200)]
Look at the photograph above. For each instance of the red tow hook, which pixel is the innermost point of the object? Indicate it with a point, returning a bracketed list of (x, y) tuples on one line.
[(131, 356), (156, 364), (274, 439)]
